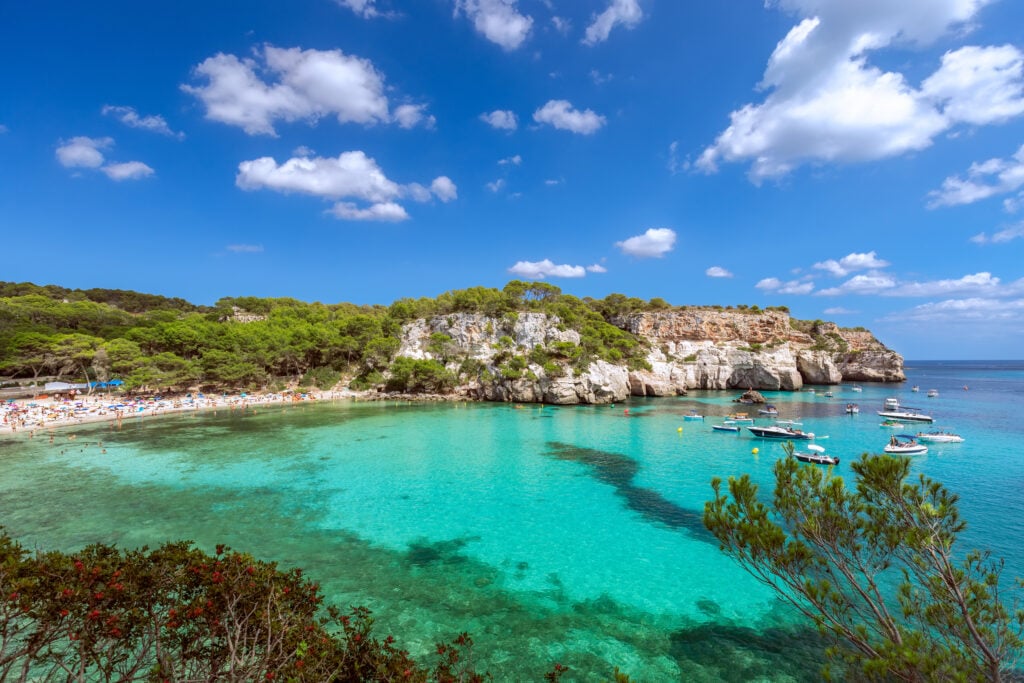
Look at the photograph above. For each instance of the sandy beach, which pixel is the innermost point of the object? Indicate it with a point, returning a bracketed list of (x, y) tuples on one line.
[(44, 413)]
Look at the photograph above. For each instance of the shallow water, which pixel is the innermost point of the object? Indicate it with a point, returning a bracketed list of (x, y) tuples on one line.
[(565, 534)]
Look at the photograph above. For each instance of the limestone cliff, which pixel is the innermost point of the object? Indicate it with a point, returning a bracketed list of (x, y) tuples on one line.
[(690, 348)]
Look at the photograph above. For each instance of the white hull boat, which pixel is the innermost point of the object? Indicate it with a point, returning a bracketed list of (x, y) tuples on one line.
[(904, 444), (939, 437), (816, 456), (903, 415), (773, 432)]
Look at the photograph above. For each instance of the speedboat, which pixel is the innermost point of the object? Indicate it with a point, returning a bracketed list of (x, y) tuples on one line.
[(891, 404), (829, 394), (905, 444), (916, 388), (776, 432), (726, 427), (693, 415), (852, 408), (856, 387), (769, 410), (939, 437), (816, 456), (932, 393), (905, 414)]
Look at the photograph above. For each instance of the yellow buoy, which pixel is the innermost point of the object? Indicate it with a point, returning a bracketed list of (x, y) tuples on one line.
[(755, 451), (680, 430)]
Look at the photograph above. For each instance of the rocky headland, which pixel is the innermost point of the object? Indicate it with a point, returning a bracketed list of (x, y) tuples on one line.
[(523, 358)]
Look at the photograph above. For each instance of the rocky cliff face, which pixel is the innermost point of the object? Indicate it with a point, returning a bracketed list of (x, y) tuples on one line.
[(688, 349)]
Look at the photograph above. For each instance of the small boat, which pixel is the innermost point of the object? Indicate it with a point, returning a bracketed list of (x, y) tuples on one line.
[(905, 414), (816, 456), (916, 388), (939, 437), (726, 427), (891, 424), (904, 444), (769, 409), (932, 393), (776, 432), (891, 404), (693, 415), (852, 408), (829, 394), (856, 387)]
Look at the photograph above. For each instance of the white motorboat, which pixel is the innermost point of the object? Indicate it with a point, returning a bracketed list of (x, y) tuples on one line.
[(932, 393), (775, 432), (905, 414), (891, 404), (904, 444), (769, 410), (726, 427), (856, 387), (816, 455), (852, 408), (939, 437), (693, 415)]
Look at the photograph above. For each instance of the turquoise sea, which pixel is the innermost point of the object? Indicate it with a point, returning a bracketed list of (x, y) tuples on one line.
[(567, 534)]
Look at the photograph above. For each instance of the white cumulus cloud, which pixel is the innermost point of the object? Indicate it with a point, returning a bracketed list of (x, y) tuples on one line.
[(444, 188), (385, 211), (717, 271), (502, 119), (596, 268), (774, 284), (497, 20), (514, 160), (129, 170), (129, 117), (497, 185), (851, 263), (412, 115), (827, 103), (82, 152), (985, 179), (654, 243), (364, 8), (546, 268), (561, 115), (292, 84), (350, 175), (625, 13)]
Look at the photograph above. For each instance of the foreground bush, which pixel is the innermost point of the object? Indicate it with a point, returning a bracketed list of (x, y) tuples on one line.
[(179, 614)]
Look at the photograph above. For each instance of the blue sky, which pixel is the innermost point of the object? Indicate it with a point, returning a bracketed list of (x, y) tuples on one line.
[(852, 161)]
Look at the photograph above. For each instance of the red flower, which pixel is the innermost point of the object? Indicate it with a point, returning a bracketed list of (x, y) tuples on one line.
[(63, 612)]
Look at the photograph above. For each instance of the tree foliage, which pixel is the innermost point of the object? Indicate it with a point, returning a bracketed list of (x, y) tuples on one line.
[(875, 568), (179, 614)]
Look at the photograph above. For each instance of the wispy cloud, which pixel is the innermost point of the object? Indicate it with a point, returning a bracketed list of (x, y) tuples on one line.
[(984, 179), (1006, 235), (129, 117), (245, 248)]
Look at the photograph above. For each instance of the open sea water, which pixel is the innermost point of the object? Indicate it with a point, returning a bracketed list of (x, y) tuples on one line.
[(551, 534)]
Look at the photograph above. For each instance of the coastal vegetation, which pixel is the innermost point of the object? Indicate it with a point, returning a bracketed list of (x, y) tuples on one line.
[(875, 568), (154, 342), (179, 614)]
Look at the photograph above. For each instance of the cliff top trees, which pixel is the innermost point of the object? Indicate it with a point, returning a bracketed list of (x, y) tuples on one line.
[(875, 568)]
